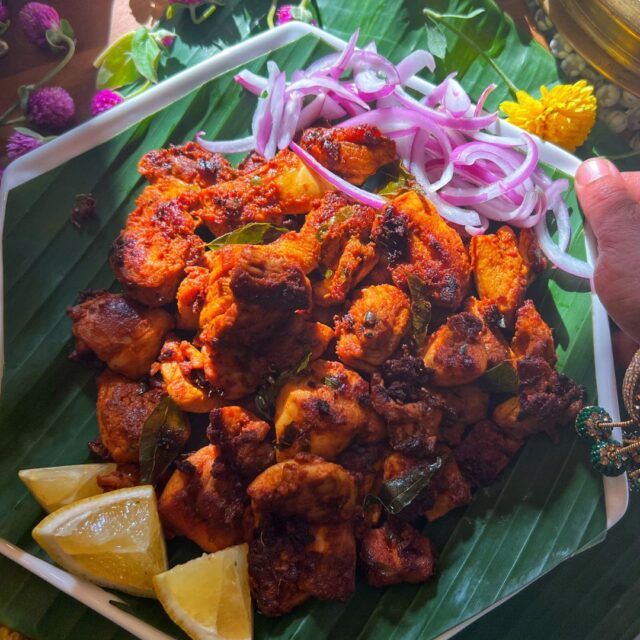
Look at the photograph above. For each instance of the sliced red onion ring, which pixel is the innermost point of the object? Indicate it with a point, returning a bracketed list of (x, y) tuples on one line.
[(456, 100), (251, 82), (437, 95), (558, 256), (482, 99), (241, 145), (370, 199), (414, 62), (312, 86)]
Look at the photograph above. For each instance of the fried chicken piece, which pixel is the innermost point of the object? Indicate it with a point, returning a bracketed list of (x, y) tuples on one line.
[(373, 327), (152, 252), (547, 399), (395, 553), (485, 452), (493, 340), (416, 241), (188, 163), (244, 440), (125, 475), (204, 501), (455, 352), (252, 292), (322, 410), (182, 368), (122, 409), (500, 273), (279, 187), (531, 253), (342, 228), (119, 331), (364, 461), (306, 486), (448, 486), (292, 560), (533, 337), (354, 153), (191, 296), (466, 404), (164, 190)]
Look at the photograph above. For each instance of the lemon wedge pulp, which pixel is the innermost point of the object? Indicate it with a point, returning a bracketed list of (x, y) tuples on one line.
[(209, 597), (53, 487), (114, 539)]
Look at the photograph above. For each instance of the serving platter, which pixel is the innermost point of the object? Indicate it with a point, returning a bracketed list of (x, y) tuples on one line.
[(45, 399)]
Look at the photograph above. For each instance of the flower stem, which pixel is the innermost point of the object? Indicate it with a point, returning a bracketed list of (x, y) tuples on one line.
[(19, 120), (200, 19), (71, 49), (438, 17), (272, 14)]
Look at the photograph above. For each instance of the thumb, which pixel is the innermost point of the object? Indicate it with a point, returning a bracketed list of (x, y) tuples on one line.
[(608, 205)]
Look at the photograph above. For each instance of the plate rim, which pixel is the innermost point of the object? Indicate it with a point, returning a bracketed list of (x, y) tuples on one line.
[(105, 126)]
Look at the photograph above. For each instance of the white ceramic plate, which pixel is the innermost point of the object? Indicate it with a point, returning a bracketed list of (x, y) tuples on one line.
[(111, 123)]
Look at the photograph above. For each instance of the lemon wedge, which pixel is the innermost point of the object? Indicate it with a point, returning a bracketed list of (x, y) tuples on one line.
[(209, 597), (53, 487), (114, 539)]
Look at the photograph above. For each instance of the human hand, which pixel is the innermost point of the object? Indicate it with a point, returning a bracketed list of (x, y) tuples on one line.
[(611, 203)]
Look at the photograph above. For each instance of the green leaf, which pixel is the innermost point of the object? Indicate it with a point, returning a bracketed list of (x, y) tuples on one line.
[(502, 378), (420, 309), (163, 436), (145, 53), (252, 233), (397, 494), (116, 67), (436, 40)]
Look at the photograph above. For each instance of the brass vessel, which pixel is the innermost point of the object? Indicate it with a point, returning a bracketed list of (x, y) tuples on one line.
[(606, 33)]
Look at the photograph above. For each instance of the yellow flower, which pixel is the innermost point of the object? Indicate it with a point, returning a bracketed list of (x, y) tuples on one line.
[(563, 115)]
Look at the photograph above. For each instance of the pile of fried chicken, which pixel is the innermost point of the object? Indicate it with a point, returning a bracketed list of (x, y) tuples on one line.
[(324, 319)]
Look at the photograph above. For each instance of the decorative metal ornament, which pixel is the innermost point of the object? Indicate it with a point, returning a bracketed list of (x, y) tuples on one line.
[(607, 456)]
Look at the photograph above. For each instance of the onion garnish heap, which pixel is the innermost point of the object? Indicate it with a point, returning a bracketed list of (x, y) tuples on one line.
[(472, 176)]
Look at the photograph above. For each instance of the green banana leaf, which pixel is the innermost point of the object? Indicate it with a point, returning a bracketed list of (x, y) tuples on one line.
[(546, 508)]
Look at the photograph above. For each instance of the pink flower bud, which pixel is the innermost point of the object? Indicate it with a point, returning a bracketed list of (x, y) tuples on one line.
[(105, 100), (50, 108), (36, 19), (20, 143)]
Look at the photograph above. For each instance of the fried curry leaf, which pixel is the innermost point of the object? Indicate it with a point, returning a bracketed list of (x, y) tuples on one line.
[(502, 378), (163, 435), (399, 183), (397, 494), (252, 233), (420, 309), (265, 398)]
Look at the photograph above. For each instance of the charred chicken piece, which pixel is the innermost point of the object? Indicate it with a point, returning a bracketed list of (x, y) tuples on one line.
[(292, 560), (342, 228), (122, 409), (125, 475), (485, 452), (448, 487), (531, 253), (322, 410), (306, 486), (354, 153), (455, 352), (188, 163), (500, 272), (244, 440), (533, 337), (395, 553), (204, 501), (547, 399), (191, 296), (493, 340), (416, 241), (119, 331), (152, 252), (252, 292), (374, 325)]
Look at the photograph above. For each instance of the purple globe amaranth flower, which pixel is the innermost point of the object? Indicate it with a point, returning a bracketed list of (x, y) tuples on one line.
[(50, 108), (167, 41), (105, 100), (4, 12), (288, 12), (36, 18), (20, 143)]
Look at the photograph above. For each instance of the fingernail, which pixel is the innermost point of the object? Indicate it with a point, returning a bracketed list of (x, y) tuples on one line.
[(594, 169)]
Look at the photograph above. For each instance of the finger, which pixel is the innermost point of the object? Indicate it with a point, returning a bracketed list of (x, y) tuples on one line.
[(632, 180), (609, 206), (624, 348)]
